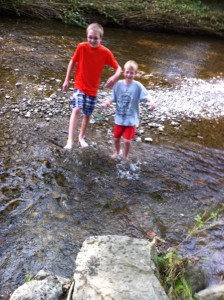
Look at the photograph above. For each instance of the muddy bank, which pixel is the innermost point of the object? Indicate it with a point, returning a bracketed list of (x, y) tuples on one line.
[(195, 18)]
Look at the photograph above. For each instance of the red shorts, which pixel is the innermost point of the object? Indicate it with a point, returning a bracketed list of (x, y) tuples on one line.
[(128, 132)]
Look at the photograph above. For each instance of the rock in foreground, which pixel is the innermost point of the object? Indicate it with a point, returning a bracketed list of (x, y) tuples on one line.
[(116, 267)]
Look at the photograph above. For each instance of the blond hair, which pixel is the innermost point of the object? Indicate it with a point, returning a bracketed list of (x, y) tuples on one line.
[(95, 27), (132, 65)]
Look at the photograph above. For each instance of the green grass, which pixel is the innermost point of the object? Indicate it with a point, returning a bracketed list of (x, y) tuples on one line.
[(172, 268)]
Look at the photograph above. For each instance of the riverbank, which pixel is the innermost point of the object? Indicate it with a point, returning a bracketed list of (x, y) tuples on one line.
[(188, 121), (196, 17)]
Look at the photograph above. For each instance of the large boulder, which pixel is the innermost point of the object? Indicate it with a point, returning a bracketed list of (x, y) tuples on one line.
[(116, 267)]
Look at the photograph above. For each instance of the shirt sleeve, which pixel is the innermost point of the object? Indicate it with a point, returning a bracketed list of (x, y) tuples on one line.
[(111, 61), (75, 56), (144, 93)]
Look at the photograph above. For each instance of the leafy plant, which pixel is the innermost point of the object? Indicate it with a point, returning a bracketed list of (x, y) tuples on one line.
[(172, 265), (74, 16), (202, 222)]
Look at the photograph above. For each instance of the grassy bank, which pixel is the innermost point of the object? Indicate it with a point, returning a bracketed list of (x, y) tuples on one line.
[(181, 16)]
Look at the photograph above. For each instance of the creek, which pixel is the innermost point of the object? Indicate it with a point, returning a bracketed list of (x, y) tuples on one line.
[(52, 200)]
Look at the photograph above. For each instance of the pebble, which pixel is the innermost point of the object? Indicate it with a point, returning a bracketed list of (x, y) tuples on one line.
[(18, 84), (148, 140), (138, 139)]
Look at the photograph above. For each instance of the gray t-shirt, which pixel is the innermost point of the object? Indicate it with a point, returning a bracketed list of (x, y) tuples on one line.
[(127, 99)]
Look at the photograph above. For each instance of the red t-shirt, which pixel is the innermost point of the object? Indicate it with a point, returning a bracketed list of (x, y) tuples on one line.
[(89, 66)]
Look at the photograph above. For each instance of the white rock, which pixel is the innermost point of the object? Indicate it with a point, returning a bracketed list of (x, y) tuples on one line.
[(45, 286), (148, 140), (116, 267), (28, 114)]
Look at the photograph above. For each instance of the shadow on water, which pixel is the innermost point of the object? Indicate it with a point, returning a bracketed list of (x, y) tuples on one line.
[(52, 200)]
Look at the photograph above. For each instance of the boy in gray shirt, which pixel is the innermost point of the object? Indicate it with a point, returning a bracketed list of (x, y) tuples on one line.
[(127, 94)]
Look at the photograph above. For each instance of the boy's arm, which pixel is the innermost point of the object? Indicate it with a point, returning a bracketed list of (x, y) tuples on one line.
[(70, 69), (111, 81), (151, 104)]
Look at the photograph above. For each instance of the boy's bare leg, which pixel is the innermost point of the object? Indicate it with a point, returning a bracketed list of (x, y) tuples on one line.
[(117, 144), (85, 122), (72, 127), (127, 145)]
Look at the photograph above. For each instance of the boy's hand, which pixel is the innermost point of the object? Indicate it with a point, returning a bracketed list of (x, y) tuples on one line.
[(111, 81), (65, 86), (106, 103), (152, 106)]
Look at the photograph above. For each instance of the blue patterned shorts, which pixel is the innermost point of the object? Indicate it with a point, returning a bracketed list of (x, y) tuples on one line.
[(83, 101)]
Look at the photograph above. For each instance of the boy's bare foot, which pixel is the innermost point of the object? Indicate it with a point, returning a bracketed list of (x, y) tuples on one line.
[(125, 159), (115, 155), (83, 143), (68, 145)]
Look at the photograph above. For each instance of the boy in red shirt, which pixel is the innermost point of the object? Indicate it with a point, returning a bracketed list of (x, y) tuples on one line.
[(89, 59)]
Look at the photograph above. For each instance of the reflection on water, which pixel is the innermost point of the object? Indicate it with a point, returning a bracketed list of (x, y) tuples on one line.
[(170, 56), (52, 200)]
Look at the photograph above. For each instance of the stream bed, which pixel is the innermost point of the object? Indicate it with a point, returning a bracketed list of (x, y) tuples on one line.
[(51, 200)]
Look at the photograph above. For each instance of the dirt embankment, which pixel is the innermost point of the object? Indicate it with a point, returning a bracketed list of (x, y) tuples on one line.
[(155, 16)]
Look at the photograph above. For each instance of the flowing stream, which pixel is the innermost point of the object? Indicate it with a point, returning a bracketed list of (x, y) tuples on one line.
[(52, 200)]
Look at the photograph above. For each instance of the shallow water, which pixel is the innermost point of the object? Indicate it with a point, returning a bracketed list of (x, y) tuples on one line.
[(52, 200)]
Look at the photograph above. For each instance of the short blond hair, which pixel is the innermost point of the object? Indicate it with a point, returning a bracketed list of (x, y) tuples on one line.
[(132, 65), (95, 27)]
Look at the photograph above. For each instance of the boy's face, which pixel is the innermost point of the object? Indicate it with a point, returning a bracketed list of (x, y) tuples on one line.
[(93, 38), (129, 74)]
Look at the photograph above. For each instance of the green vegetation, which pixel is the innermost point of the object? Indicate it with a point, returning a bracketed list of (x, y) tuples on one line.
[(172, 266), (203, 222), (185, 16), (28, 278)]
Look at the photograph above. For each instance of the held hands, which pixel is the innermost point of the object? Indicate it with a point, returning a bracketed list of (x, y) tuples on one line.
[(106, 103), (152, 105)]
